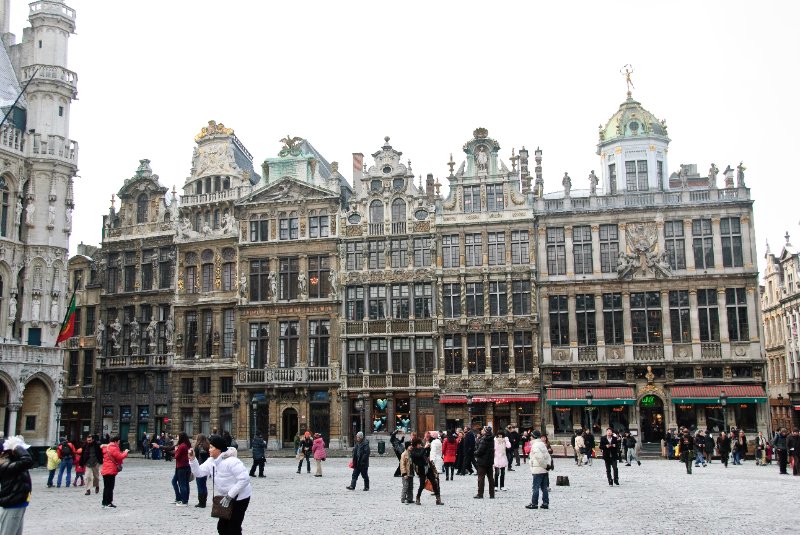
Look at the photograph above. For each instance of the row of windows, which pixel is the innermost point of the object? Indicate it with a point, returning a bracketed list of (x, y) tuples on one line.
[(380, 355), (148, 279), (646, 317), (679, 372), (204, 385), (289, 228), (397, 255), (496, 244), (288, 343), (290, 282), (474, 346), (635, 175), (702, 242), (144, 383), (201, 334)]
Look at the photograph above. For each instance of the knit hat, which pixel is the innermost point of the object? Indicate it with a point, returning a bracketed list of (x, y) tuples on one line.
[(218, 442), (359, 435), (537, 433)]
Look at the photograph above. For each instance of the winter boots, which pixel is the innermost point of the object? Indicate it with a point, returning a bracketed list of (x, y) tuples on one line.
[(201, 500)]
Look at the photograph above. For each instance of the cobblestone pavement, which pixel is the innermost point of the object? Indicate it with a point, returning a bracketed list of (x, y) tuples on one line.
[(657, 497)]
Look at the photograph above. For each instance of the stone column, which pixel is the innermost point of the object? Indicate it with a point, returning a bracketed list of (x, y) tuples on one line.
[(13, 409), (666, 325), (568, 246), (599, 321), (752, 314), (723, 323), (573, 320), (717, 240), (748, 253), (687, 240), (694, 322), (542, 254), (596, 267), (626, 325)]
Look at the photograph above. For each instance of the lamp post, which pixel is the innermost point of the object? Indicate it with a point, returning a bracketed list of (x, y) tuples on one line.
[(723, 400), (360, 407), (779, 412), (235, 423), (469, 410), (254, 407), (58, 405), (589, 398)]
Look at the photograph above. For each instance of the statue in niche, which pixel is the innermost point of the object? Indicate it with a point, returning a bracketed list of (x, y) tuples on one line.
[(51, 216), (593, 181), (18, 214), (12, 309), (169, 329), (116, 329), (302, 286), (54, 310), (135, 336), (98, 333), (30, 210), (35, 308), (228, 223), (334, 284), (152, 330), (243, 286), (273, 286), (482, 159)]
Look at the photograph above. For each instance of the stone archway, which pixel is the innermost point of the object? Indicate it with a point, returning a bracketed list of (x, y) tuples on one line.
[(289, 426), (652, 421)]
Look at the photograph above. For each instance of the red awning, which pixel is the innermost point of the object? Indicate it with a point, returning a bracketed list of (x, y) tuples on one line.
[(797, 407), (490, 398), (620, 392), (732, 391)]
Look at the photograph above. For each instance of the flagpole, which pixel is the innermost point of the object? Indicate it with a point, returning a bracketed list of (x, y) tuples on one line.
[(66, 314)]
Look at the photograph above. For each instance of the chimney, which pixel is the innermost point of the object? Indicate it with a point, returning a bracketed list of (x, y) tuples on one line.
[(429, 187), (358, 171), (523, 170)]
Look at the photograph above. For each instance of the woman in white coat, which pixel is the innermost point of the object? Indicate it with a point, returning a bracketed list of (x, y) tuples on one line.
[(580, 449), (230, 479), (501, 444), (436, 452)]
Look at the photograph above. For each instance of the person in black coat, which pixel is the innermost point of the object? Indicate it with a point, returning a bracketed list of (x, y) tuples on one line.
[(258, 445), (15, 483), (469, 451), (709, 447), (724, 447), (513, 452), (91, 458), (360, 461), (609, 445), (398, 447), (484, 460), (685, 449), (421, 457)]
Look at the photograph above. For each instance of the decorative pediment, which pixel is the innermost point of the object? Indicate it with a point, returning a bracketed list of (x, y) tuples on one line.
[(214, 158), (289, 190)]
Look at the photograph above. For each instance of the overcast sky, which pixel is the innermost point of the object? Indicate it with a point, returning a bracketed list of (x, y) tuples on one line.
[(343, 75)]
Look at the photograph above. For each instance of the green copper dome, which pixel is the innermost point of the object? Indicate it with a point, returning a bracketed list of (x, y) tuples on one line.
[(631, 121)]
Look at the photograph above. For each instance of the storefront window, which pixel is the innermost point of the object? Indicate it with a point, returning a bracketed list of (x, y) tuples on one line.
[(745, 416), (524, 416), (618, 418), (401, 415), (561, 376), (379, 414), (595, 419), (686, 416), (562, 419), (478, 414), (715, 420)]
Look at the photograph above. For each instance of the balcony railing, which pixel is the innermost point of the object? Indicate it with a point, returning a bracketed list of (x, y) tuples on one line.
[(136, 361), (582, 201), (393, 380), (51, 72), (399, 227), (55, 8), (587, 354), (648, 352), (216, 196), (226, 398), (186, 399), (710, 350), (48, 145), (376, 229), (288, 375), (12, 138)]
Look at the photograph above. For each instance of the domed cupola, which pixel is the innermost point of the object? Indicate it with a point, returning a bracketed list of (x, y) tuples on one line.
[(633, 150)]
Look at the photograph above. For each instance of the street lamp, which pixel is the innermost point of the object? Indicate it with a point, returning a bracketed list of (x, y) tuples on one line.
[(254, 407), (469, 410), (723, 400), (360, 407), (589, 398), (58, 405)]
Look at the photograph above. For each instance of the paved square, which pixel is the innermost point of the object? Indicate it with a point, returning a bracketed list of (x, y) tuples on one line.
[(657, 497)]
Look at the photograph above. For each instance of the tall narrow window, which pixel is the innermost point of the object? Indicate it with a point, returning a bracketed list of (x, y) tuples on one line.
[(451, 295), (191, 334), (289, 271), (398, 250), (612, 178), (423, 300), (499, 352), (90, 321), (378, 355), (559, 320), (476, 353), (612, 319), (355, 255), (423, 354), (355, 303), (472, 199), (582, 248), (88, 367), (679, 317), (146, 269), (494, 197), (398, 211), (208, 333), (636, 175), (674, 244), (498, 299), (585, 318), (377, 302), (227, 332), (207, 277), (377, 254), (259, 229), (4, 208), (422, 252), (141, 208), (318, 343), (523, 352), (474, 299), (228, 276), (520, 247), (130, 271), (319, 226), (259, 280), (400, 301), (319, 277), (401, 355), (609, 248), (497, 248), (708, 314), (453, 354), (731, 233), (521, 297), (450, 251), (376, 212), (703, 243), (556, 251), (288, 342), (646, 317), (289, 228), (736, 303), (74, 363), (164, 268), (473, 254), (259, 345), (78, 314), (355, 356)]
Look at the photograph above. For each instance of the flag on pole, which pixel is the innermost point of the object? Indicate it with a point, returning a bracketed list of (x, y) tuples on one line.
[(68, 326)]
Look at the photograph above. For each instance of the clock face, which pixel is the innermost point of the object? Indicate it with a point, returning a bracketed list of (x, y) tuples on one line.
[(634, 125), (421, 214), (354, 218)]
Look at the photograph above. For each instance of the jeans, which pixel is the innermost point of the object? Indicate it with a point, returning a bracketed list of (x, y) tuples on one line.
[(407, 494), (202, 487), (234, 525), (66, 464), (363, 472), (737, 457), (699, 459), (686, 458), (180, 483), (11, 520), (540, 482), (50, 475), (308, 462), (632, 456), (499, 477)]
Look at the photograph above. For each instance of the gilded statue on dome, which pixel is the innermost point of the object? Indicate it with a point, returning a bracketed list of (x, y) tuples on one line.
[(213, 129)]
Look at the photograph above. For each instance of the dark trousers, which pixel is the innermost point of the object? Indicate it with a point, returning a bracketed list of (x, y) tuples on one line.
[(485, 471), (449, 470), (795, 468), (499, 477), (360, 471), (723, 456), (783, 460), (259, 463), (180, 484), (306, 456), (469, 459), (686, 458), (234, 525), (108, 489), (611, 464), (432, 477)]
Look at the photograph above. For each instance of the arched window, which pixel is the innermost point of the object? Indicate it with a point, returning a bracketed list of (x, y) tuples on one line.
[(141, 208), (216, 219), (376, 212), (198, 187), (217, 183), (4, 208), (398, 210), (198, 222)]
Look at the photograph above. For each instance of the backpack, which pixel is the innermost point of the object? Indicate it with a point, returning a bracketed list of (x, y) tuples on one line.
[(65, 450)]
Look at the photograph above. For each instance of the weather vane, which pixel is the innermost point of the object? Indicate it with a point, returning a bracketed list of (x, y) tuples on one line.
[(626, 71)]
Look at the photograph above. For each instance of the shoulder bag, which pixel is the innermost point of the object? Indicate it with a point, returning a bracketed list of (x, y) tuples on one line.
[(217, 510)]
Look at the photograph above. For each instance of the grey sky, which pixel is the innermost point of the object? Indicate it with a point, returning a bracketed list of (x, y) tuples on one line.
[(345, 74)]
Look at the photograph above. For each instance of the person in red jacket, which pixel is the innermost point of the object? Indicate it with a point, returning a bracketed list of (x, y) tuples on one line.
[(449, 449), (180, 481), (112, 464)]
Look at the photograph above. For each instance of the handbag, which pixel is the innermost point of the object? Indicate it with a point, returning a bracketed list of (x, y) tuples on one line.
[(428, 485), (350, 464), (217, 510)]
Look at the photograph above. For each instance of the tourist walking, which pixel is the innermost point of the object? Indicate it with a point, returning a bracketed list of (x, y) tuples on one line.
[(630, 444), (513, 453), (145, 446), (66, 452), (304, 452), (527, 441), (793, 450), (436, 452), (761, 449), (180, 481), (580, 449), (426, 471), (700, 448), (779, 443), (80, 469), (740, 447), (539, 462), (724, 448), (484, 459), (501, 444), (230, 481), (258, 446), (449, 452), (609, 444), (360, 462), (398, 448), (407, 473), (686, 449), (112, 464), (201, 449), (469, 441), (589, 444), (319, 453), (52, 463), (15, 484)]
